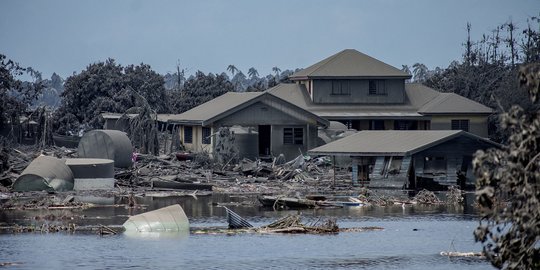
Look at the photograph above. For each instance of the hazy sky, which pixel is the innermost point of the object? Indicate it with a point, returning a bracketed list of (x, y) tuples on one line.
[(65, 36)]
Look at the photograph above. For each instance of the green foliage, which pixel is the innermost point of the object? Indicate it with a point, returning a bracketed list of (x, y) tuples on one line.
[(508, 187), (199, 89), (107, 87)]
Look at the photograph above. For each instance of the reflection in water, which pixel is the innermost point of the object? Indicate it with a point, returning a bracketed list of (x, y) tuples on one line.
[(157, 235)]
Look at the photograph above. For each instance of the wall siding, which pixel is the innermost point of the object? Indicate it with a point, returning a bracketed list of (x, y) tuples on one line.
[(395, 88), (453, 150), (477, 124)]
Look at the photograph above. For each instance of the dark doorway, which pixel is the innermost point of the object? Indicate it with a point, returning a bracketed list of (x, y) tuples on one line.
[(264, 140)]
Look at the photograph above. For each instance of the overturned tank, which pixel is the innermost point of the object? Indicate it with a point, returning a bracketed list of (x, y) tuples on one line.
[(45, 173), (167, 219), (107, 144)]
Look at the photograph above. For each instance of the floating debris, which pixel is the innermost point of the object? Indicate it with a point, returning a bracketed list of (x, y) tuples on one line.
[(167, 219), (236, 221)]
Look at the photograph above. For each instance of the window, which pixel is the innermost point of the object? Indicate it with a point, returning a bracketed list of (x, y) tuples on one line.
[(206, 135), (435, 164), (460, 124), (188, 134), (341, 87), (377, 87), (293, 136)]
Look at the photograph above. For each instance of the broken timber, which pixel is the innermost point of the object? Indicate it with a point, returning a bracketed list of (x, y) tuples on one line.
[(178, 185)]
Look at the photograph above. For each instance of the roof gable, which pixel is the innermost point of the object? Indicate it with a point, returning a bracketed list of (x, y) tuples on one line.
[(232, 102), (349, 63), (214, 107), (390, 142)]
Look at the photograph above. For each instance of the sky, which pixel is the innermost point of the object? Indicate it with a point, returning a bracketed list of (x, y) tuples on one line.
[(64, 36)]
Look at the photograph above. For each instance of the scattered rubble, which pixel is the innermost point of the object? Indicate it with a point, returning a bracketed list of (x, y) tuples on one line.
[(426, 197)]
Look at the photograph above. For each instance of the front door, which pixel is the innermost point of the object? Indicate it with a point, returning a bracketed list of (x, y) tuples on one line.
[(264, 140)]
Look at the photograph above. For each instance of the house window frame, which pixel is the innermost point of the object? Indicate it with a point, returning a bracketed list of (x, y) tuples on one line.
[(341, 87), (188, 134), (206, 137), (460, 124), (377, 88), (293, 136), (435, 164)]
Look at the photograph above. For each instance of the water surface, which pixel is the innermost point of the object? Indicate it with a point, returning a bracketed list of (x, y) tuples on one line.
[(412, 238)]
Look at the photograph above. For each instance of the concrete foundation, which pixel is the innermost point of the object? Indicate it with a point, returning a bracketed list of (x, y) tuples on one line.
[(94, 184)]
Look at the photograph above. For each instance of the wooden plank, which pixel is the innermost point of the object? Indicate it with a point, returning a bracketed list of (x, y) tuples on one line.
[(178, 185)]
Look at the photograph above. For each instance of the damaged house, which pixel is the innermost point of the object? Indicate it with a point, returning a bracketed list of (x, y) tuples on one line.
[(354, 89), (266, 125), (409, 159)]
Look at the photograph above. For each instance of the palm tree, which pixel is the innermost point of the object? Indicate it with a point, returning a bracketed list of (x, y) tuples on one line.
[(252, 72), (232, 69), (420, 72), (277, 71)]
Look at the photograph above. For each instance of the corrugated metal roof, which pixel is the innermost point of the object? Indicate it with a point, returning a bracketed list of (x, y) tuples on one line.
[(349, 63), (389, 142)]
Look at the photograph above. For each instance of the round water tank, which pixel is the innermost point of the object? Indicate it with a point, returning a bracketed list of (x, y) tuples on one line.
[(45, 173), (107, 144)]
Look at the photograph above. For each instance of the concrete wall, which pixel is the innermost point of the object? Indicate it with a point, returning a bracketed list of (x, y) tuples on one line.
[(478, 125), (395, 88)]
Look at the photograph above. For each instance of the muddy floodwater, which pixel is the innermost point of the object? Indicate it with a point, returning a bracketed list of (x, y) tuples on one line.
[(413, 238)]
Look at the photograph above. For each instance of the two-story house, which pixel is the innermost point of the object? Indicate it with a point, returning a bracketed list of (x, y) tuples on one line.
[(367, 94)]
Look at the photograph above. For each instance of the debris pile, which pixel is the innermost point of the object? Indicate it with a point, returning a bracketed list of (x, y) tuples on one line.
[(454, 195), (293, 224), (426, 197)]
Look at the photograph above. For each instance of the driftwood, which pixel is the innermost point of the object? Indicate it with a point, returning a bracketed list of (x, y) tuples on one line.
[(293, 224), (426, 197), (179, 185), (462, 254)]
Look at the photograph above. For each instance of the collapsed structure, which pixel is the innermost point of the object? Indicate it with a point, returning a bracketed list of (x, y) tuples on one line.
[(410, 159)]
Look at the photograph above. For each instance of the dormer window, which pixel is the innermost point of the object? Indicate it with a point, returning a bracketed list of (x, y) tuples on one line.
[(341, 87), (377, 87)]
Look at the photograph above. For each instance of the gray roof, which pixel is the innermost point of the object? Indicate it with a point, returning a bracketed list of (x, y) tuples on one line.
[(390, 142), (452, 103), (228, 103), (420, 102), (214, 107), (349, 63)]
